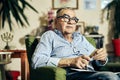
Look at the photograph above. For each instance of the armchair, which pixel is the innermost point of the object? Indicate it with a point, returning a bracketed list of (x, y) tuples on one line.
[(44, 73)]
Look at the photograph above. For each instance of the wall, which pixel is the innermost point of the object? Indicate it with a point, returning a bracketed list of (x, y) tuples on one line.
[(90, 17)]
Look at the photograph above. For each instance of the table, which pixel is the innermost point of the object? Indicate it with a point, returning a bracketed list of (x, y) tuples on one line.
[(5, 58), (24, 62)]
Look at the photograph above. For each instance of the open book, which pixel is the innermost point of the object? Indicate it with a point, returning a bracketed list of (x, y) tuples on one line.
[(76, 69), (88, 68)]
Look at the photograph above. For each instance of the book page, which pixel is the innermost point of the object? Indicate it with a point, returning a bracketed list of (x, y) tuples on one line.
[(81, 70)]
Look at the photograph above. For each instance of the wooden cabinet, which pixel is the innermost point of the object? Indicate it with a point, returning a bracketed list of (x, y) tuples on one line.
[(24, 62)]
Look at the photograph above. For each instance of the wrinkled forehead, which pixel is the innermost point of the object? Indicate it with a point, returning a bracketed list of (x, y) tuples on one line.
[(69, 12)]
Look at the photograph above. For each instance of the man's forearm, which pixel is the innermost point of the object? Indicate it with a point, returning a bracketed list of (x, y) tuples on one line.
[(65, 62)]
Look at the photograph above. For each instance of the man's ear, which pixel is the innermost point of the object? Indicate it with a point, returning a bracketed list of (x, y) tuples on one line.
[(55, 22)]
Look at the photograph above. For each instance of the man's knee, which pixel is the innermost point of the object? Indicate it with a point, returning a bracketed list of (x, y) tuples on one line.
[(107, 76)]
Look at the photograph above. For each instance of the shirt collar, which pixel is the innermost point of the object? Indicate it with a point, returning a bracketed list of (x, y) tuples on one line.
[(74, 35)]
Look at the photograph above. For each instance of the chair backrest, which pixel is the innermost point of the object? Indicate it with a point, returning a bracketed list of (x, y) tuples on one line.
[(31, 43), (91, 40)]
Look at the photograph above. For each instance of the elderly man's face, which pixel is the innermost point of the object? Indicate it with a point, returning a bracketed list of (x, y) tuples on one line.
[(66, 22)]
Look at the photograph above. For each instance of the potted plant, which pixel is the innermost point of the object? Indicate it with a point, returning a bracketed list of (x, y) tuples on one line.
[(113, 15), (15, 9)]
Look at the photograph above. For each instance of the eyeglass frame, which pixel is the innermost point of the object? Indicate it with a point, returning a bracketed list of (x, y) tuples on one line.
[(68, 17)]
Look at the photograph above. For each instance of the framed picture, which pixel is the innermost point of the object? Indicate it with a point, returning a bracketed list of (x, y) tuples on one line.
[(64, 3), (81, 27), (89, 4)]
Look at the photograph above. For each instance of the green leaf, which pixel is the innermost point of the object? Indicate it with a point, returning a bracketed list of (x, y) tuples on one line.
[(13, 8), (26, 3)]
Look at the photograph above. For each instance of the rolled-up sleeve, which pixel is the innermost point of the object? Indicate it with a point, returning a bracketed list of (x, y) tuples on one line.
[(53, 62)]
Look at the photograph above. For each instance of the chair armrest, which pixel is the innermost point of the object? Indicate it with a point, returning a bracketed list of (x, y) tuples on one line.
[(48, 73), (111, 66)]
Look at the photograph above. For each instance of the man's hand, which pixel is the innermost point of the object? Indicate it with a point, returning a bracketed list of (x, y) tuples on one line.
[(100, 54), (78, 62)]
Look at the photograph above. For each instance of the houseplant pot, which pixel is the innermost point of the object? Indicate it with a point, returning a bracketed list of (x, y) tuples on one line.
[(113, 15), (116, 46), (15, 9)]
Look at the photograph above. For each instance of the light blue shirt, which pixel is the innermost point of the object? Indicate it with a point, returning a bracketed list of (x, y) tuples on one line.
[(53, 46)]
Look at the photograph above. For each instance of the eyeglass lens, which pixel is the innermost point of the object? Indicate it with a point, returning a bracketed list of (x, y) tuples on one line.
[(67, 18)]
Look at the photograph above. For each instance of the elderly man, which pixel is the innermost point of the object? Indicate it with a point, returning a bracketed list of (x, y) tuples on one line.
[(66, 48)]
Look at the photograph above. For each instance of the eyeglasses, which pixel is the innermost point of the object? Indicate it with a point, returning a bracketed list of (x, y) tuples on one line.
[(66, 18)]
